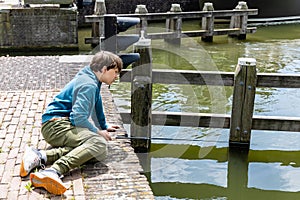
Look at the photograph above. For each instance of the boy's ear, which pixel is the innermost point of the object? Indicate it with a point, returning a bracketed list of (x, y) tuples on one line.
[(104, 69)]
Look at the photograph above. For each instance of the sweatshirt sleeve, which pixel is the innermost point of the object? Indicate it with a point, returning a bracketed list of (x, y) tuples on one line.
[(83, 104), (100, 114)]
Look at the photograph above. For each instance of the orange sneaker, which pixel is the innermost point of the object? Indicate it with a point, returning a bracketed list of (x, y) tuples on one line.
[(49, 180), (31, 159)]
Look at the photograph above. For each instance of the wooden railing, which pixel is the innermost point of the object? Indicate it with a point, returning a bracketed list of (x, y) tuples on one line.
[(238, 26), (240, 122)]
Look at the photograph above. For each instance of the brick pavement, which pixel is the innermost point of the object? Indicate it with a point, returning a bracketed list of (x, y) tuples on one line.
[(27, 85)]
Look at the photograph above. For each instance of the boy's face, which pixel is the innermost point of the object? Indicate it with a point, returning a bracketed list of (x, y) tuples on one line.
[(109, 76)]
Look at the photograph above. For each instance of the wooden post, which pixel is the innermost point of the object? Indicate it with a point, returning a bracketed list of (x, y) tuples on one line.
[(110, 31), (240, 21), (208, 23), (174, 25), (141, 9), (243, 102), (98, 27), (141, 97)]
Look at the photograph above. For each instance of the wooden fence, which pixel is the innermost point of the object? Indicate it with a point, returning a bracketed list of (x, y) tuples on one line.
[(240, 122), (238, 26)]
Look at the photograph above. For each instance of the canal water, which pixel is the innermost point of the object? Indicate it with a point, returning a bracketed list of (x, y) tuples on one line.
[(196, 163)]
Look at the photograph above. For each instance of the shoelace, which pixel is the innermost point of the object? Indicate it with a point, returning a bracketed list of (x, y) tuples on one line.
[(41, 164)]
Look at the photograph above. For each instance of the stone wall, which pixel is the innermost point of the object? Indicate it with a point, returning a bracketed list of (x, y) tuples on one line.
[(129, 6), (38, 28)]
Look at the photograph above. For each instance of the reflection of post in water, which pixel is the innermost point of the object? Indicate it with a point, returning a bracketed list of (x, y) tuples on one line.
[(237, 172)]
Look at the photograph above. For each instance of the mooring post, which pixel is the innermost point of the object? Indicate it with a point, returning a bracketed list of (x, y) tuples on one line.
[(208, 23), (98, 27), (243, 102), (240, 21), (141, 97), (141, 9), (174, 25)]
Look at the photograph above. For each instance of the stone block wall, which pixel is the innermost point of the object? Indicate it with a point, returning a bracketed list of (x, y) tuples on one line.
[(38, 27), (153, 6), (129, 6)]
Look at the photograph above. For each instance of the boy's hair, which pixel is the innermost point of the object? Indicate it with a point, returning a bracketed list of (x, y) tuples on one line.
[(106, 58)]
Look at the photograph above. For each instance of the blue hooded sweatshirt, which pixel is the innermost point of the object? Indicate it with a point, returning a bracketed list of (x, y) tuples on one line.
[(79, 100)]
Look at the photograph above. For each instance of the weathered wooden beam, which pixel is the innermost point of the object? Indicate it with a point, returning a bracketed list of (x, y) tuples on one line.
[(193, 14), (276, 80), (183, 34), (272, 123), (184, 119), (186, 15), (186, 77), (197, 33)]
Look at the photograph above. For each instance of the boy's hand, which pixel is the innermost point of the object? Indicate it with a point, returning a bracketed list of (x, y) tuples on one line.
[(105, 134), (112, 128)]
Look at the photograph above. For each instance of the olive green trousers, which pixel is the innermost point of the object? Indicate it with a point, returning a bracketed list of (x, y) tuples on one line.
[(71, 146)]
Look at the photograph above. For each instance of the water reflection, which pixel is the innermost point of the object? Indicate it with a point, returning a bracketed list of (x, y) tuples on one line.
[(195, 163), (280, 178), (188, 171), (236, 175)]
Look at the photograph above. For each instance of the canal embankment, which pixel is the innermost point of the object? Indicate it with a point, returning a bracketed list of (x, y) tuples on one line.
[(27, 85)]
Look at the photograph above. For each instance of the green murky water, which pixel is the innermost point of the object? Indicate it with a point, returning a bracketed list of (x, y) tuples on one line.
[(200, 165)]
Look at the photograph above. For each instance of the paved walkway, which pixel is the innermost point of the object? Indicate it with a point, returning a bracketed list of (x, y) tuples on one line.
[(27, 85), (7, 4)]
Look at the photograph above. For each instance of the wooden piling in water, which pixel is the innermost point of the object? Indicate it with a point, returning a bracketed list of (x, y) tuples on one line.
[(208, 23), (239, 21), (243, 102), (141, 97), (141, 9), (98, 27), (174, 25)]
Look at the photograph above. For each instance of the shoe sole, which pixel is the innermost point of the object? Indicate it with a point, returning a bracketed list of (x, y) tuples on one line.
[(23, 172), (50, 184)]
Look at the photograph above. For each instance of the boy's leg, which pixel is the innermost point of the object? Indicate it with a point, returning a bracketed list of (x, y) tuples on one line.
[(93, 146), (79, 145)]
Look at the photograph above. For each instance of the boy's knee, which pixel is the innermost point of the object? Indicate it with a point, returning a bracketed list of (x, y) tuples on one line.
[(100, 145)]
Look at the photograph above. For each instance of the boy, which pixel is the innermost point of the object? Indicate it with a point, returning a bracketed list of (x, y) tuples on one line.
[(74, 125)]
